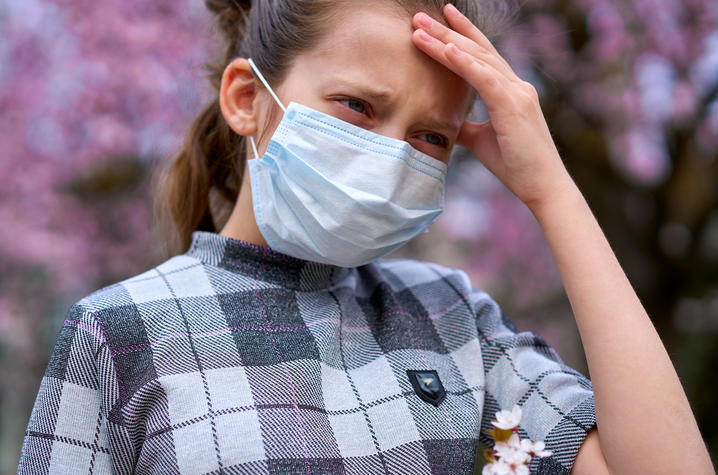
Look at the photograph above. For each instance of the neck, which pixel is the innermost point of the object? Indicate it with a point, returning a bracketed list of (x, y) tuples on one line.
[(241, 223)]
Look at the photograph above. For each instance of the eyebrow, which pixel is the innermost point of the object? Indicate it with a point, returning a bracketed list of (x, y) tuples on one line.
[(379, 93), (439, 124), (388, 95)]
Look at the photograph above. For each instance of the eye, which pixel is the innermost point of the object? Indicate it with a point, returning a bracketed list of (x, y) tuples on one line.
[(355, 105), (435, 139)]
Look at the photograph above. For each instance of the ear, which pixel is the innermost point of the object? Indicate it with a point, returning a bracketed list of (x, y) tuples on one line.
[(236, 97)]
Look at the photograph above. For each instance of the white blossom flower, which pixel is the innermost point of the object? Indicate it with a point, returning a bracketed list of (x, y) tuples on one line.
[(518, 469), (496, 468), (535, 449), (508, 447), (502, 468), (514, 441), (508, 419), (515, 457)]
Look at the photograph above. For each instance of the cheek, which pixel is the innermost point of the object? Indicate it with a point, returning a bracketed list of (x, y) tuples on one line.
[(268, 121)]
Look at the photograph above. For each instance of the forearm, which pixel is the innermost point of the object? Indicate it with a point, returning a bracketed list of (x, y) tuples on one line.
[(644, 420)]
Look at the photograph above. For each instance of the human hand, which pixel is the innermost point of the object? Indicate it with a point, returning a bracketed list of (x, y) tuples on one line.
[(515, 144)]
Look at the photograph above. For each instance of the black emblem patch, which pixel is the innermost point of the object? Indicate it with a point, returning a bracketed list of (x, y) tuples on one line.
[(427, 385)]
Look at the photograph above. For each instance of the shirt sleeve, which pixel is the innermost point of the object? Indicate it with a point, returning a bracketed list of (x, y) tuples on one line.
[(67, 432), (521, 368)]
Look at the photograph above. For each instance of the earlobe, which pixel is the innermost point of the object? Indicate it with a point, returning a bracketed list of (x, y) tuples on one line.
[(236, 97)]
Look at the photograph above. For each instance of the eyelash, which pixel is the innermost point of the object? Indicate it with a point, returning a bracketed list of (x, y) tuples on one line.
[(366, 106)]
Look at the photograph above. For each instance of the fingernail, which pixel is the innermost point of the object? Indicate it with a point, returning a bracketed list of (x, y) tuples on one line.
[(453, 49), (425, 20), (452, 10), (424, 36)]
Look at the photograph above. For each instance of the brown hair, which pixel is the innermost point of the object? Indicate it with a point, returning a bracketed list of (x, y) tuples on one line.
[(199, 186)]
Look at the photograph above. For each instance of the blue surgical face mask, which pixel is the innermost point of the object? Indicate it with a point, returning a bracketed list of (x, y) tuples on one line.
[(331, 192)]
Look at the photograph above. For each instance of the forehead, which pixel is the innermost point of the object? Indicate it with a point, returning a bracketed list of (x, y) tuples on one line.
[(372, 45)]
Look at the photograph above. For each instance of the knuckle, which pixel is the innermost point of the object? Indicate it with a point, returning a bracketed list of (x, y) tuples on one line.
[(491, 81), (529, 89), (526, 101)]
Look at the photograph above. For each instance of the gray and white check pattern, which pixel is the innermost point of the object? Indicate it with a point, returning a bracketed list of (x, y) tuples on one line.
[(233, 358)]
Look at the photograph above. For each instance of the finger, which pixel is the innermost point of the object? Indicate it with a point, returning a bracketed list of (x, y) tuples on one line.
[(480, 138), (447, 35), (464, 26), (472, 132), (480, 75), (431, 46), (437, 49)]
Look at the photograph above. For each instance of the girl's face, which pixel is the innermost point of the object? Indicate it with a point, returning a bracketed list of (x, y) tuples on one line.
[(367, 71)]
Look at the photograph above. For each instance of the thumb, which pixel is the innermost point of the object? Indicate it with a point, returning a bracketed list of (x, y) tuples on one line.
[(472, 132), (480, 139)]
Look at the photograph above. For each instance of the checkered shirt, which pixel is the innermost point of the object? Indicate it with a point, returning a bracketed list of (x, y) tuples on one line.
[(233, 358)]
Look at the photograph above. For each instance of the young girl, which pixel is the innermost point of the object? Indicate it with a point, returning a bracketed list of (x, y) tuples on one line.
[(278, 341)]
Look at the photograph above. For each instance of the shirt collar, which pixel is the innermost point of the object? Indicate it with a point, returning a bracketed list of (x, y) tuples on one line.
[(263, 263)]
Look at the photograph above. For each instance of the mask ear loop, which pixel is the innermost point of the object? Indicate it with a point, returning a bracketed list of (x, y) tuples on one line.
[(254, 147), (266, 84)]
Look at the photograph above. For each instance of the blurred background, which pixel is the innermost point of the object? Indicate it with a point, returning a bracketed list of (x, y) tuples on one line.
[(94, 94)]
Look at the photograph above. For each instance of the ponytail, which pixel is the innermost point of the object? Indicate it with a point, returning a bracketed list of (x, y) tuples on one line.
[(199, 189)]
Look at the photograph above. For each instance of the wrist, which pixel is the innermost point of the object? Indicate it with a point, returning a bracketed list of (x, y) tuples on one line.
[(563, 193)]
